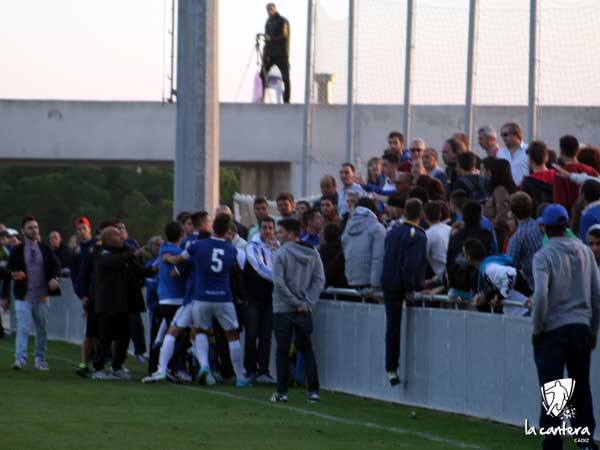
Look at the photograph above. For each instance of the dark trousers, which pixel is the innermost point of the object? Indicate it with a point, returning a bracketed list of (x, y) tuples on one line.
[(112, 327), (137, 333), (259, 326), (166, 312), (393, 319), (284, 326), (284, 66), (569, 346), (155, 321)]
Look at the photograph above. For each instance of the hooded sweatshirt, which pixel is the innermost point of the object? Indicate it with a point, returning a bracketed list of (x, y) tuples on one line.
[(363, 244), (567, 286), (539, 186), (298, 277)]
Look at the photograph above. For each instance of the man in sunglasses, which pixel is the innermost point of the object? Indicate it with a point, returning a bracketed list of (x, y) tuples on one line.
[(35, 273), (515, 151)]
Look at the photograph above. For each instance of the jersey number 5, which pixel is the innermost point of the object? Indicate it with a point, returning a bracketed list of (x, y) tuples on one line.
[(217, 262)]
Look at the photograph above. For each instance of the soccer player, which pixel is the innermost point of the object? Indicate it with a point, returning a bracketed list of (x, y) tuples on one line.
[(213, 260)]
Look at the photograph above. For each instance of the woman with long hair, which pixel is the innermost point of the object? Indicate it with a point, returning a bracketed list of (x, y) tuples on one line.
[(497, 206)]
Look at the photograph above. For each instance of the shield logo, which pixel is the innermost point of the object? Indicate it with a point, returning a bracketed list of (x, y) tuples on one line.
[(556, 394)]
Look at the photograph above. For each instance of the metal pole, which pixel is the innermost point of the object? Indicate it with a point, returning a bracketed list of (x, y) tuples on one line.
[(197, 139), (410, 25), (350, 94), (306, 136), (533, 68), (172, 75), (471, 69)]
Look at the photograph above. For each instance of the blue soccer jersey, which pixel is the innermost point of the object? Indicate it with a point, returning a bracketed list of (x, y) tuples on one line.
[(213, 259)]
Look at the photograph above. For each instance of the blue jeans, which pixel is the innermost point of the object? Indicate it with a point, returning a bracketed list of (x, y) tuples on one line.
[(31, 314)]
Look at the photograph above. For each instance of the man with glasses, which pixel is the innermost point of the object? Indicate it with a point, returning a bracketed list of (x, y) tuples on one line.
[(515, 151), (35, 271)]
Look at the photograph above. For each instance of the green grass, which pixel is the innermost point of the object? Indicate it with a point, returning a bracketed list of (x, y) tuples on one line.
[(58, 410)]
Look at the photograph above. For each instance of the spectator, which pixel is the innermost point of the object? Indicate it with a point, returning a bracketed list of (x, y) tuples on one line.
[(593, 241), (328, 189), (405, 258), (430, 162), (404, 182), (237, 241), (591, 214), (488, 141), (501, 186), (433, 186), (515, 151), (4, 250), (35, 271), (351, 201), (130, 243), (450, 151), (118, 296), (527, 240), (396, 146), (329, 210), (468, 178), (438, 236), (463, 139), (590, 156), (539, 183), (261, 210), (375, 176), (258, 280), (417, 169), (332, 257), (390, 172), (362, 242), (313, 226), (302, 207), (298, 280), (185, 219), (348, 177), (417, 149), (396, 203), (285, 205), (566, 313), (63, 253), (241, 230), (565, 191)]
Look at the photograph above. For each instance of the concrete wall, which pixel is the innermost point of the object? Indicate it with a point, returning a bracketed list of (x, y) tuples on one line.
[(42, 131)]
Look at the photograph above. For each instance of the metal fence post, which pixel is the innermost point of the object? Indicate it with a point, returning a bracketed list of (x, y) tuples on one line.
[(306, 135), (533, 68), (410, 25), (471, 58), (350, 93)]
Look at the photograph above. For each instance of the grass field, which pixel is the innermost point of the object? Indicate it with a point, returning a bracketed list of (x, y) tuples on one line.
[(58, 410)]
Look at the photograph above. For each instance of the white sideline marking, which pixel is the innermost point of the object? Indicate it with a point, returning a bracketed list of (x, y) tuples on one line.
[(308, 412)]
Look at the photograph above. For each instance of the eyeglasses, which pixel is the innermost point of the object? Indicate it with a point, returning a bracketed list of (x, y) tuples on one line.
[(414, 150)]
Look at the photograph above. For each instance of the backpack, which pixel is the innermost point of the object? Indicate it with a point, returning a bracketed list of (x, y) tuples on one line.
[(475, 192)]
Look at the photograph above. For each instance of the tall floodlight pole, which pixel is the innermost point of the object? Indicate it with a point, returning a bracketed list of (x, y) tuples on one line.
[(350, 94), (533, 68), (471, 69), (410, 26), (308, 81), (197, 139)]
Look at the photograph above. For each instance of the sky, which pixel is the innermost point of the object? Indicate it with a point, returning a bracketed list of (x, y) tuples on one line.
[(119, 49)]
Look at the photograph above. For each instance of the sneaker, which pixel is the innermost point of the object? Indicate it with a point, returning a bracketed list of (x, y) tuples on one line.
[(393, 378), (101, 375), (242, 383), (125, 369), (19, 365), (140, 358), (83, 370), (314, 397), (265, 378), (156, 377), (279, 398), (205, 377), (183, 376), (41, 365), (120, 374)]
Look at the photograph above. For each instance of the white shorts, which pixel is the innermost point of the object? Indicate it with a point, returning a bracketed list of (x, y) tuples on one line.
[(204, 312), (183, 316)]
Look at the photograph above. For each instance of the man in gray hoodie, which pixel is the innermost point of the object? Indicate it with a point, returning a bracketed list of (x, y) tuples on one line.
[(566, 313), (363, 245), (298, 279)]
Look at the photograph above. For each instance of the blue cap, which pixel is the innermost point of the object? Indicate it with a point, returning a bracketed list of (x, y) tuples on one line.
[(554, 215)]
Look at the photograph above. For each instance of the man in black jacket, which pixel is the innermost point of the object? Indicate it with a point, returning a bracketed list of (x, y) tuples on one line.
[(118, 293), (35, 271), (277, 48)]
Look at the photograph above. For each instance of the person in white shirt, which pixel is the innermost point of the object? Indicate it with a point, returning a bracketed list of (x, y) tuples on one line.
[(348, 177), (515, 151), (438, 236)]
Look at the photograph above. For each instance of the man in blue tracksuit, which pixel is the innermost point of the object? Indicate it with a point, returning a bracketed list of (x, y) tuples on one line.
[(403, 272)]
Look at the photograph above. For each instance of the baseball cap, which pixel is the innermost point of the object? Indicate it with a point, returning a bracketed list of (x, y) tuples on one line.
[(81, 220), (554, 215)]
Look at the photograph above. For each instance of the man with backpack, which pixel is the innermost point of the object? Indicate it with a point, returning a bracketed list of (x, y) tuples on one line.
[(469, 179)]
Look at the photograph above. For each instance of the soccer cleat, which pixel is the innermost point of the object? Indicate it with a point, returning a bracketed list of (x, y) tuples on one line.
[(205, 378), (265, 378), (120, 374), (279, 398), (19, 365), (83, 370), (101, 375), (314, 397), (41, 365), (242, 383), (156, 377), (393, 378)]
